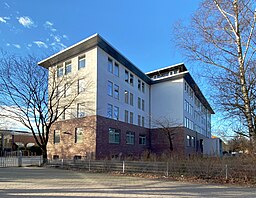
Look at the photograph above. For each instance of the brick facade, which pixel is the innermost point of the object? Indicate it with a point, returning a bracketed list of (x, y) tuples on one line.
[(96, 144)]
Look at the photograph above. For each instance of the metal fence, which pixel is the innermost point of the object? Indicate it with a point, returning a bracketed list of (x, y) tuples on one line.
[(15, 161), (210, 169)]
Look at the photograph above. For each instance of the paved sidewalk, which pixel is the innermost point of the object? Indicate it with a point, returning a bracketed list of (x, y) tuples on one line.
[(56, 183)]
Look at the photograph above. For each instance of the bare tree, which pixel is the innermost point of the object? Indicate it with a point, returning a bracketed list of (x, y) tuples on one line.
[(222, 36), (168, 127), (29, 99)]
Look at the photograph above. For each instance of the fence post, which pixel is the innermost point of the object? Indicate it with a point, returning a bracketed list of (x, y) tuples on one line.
[(62, 163), (20, 159), (226, 171), (167, 169), (123, 167), (89, 165)]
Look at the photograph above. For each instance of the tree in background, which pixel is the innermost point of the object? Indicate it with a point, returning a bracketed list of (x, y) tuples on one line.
[(222, 37), (28, 97)]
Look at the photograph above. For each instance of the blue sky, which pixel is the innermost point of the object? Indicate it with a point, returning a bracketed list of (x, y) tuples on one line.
[(139, 29)]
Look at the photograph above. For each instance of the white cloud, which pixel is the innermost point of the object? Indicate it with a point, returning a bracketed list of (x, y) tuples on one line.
[(17, 46), (40, 44), (29, 45), (6, 5), (49, 25), (2, 20), (65, 36), (26, 21), (8, 44)]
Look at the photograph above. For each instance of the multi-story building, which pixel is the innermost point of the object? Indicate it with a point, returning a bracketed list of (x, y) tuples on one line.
[(121, 111)]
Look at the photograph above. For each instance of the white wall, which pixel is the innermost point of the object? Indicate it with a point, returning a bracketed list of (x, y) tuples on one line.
[(167, 101)]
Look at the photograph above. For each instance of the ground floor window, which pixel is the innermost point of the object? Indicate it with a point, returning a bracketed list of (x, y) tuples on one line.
[(114, 136), (142, 139), (79, 135), (130, 137)]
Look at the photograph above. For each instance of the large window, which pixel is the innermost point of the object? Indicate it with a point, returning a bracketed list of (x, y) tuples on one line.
[(110, 88), (56, 136), (110, 65), (79, 135), (142, 105), (142, 139), (68, 67), (81, 86), (81, 62), (139, 103), (116, 69), (131, 117), (126, 96), (116, 91), (130, 137), (131, 79), (114, 136), (60, 71), (116, 113), (126, 116), (139, 120), (131, 99), (80, 110), (126, 76), (110, 111)]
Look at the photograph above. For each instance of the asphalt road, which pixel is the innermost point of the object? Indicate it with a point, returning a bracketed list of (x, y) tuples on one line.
[(31, 182)]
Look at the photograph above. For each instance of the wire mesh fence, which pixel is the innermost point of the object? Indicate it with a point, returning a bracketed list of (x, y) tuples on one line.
[(210, 168)]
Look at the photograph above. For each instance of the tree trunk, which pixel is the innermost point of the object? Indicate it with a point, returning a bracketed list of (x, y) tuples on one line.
[(44, 152)]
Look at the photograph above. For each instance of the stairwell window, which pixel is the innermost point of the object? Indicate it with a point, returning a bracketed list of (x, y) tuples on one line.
[(81, 62), (79, 135), (56, 136)]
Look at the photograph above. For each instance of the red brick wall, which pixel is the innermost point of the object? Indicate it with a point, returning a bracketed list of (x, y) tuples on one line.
[(67, 148), (104, 149)]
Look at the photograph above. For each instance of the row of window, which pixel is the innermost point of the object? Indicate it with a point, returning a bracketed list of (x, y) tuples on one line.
[(113, 67), (67, 67), (190, 141), (79, 136), (115, 137), (128, 118)]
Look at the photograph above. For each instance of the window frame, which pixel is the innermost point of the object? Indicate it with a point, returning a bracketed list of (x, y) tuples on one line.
[(114, 136), (130, 138), (78, 140), (80, 59), (68, 67), (142, 139), (110, 65), (110, 88), (55, 139)]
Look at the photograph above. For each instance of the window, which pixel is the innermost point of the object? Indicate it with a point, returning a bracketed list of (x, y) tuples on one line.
[(188, 140), (116, 69), (67, 90), (142, 121), (131, 99), (81, 86), (193, 143), (139, 84), (114, 136), (126, 116), (142, 105), (110, 111), (110, 88), (131, 117), (130, 137), (142, 139), (68, 67), (116, 91), (63, 114), (56, 136), (131, 79), (80, 110), (81, 62), (143, 87), (60, 71), (139, 120), (79, 135), (110, 65), (126, 96), (126, 76), (116, 113), (139, 103)]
